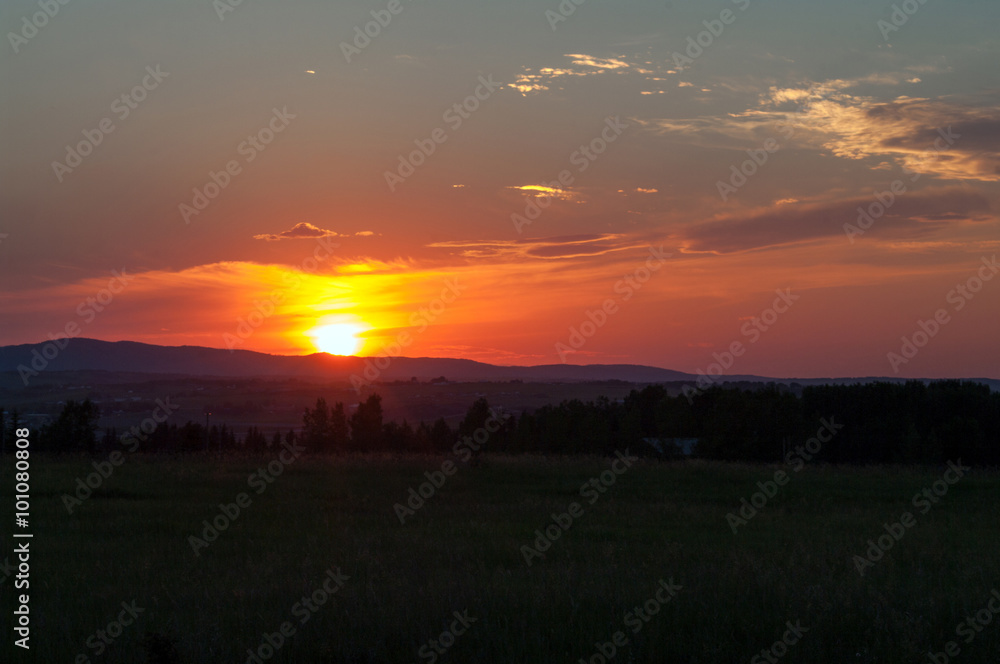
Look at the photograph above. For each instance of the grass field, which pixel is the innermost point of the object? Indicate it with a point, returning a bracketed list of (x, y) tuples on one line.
[(461, 552)]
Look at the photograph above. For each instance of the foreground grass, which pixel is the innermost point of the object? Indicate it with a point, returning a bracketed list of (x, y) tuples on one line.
[(462, 552)]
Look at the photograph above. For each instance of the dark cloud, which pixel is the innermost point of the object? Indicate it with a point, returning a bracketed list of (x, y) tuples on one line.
[(909, 212), (936, 137), (306, 230), (566, 246)]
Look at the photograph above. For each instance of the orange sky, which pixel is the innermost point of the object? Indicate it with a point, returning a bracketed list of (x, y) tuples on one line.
[(622, 150)]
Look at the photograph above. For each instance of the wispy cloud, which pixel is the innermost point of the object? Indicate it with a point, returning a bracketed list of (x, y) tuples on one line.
[(543, 191), (539, 79), (599, 63), (548, 248), (936, 137), (305, 230), (911, 214)]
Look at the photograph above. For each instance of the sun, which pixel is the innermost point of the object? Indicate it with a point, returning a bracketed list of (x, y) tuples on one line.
[(337, 338)]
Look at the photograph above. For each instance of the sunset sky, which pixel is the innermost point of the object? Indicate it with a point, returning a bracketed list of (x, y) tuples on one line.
[(310, 232)]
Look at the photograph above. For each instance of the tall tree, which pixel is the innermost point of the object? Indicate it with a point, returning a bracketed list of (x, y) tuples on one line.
[(75, 429), (316, 432), (340, 436), (366, 425)]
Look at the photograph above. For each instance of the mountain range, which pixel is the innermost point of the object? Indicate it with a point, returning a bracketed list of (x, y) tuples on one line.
[(80, 354)]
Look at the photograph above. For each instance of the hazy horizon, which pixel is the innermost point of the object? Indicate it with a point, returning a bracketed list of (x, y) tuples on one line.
[(711, 369)]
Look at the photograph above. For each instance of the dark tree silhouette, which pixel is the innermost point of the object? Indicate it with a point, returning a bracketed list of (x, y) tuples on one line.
[(912, 422), (366, 425), (74, 430)]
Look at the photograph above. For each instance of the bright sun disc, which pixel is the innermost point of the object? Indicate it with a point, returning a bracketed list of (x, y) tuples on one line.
[(337, 339)]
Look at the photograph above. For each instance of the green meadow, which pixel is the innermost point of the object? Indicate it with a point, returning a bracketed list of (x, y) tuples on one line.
[(596, 592)]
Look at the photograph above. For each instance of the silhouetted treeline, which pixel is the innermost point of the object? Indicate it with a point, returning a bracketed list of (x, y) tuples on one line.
[(879, 423), (328, 429), (911, 422)]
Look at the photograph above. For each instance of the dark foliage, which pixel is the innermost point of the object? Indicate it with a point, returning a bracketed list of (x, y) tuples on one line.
[(876, 423)]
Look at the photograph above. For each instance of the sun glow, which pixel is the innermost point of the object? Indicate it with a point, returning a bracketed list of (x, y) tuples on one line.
[(337, 338)]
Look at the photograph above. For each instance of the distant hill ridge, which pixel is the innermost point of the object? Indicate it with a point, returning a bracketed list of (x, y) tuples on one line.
[(90, 354), (131, 356)]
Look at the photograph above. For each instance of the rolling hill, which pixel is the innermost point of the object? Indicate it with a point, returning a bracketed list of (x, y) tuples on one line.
[(128, 356)]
